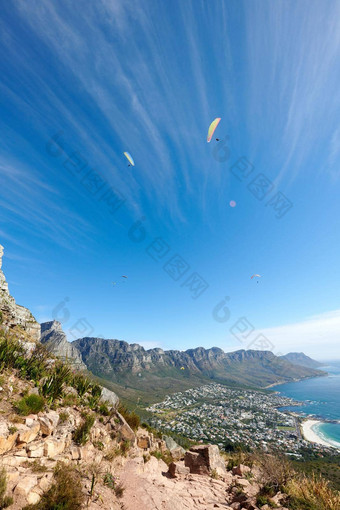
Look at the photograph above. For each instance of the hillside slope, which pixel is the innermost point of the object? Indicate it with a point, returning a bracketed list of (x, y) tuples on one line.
[(299, 358)]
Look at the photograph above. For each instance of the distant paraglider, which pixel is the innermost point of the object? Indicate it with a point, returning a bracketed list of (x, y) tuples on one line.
[(212, 128), (182, 368), (123, 276), (129, 158), (256, 276)]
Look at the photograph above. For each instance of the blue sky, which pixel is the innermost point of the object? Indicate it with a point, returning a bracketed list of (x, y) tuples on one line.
[(148, 77)]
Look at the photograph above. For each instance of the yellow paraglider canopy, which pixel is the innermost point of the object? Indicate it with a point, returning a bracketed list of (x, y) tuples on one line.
[(212, 128)]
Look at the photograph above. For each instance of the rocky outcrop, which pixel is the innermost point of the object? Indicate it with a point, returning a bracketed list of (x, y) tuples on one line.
[(13, 315), (42, 440), (54, 339)]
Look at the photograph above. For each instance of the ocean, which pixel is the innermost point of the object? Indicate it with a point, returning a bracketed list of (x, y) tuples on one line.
[(321, 397)]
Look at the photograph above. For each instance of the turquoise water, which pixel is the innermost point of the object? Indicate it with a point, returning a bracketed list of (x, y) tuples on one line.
[(321, 397)]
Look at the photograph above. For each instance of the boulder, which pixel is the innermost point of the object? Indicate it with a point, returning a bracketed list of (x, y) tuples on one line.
[(25, 485), (87, 452), (53, 447), (110, 396), (196, 463), (170, 443), (249, 489), (7, 443), (28, 434), (235, 505), (125, 430), (241, 470), (36, 450), (33, 498), (178, 468), (177, 453), (75, 453), (203, 459), (143, 442), (30, 420), (12, 478), (48, 422), (45, 481), (176, 450)]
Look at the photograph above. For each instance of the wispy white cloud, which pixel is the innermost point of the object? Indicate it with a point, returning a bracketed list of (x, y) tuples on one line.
[(27, 198), (142, 102), (293, 86), (317, 336)]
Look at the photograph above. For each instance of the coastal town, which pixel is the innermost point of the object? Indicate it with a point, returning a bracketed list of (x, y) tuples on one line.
[(223, 416)]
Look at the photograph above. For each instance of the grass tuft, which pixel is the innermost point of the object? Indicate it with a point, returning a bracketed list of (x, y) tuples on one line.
[(32, 404)]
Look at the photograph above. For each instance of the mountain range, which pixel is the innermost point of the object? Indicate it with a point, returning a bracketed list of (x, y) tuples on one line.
[(131, 370)]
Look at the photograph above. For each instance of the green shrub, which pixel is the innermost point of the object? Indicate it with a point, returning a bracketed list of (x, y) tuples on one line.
[(103, 409), (11, 353), (82, 433), (69, 400), (91, 403), (1, 317), (125, 447), (36, 466), (166, 456), (65, 493), (53, 386), (35, 366), (112, 453), (96, 391), (32, 404), (5, 501), (99, 445), (63, 416), (131, 417), (109, 480), (81, 384), (262, 500)]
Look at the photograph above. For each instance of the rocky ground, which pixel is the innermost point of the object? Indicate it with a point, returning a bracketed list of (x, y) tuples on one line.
[(32, 446)]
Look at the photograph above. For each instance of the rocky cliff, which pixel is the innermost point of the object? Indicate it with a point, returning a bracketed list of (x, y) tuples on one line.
[(13, 315), (54, 339)]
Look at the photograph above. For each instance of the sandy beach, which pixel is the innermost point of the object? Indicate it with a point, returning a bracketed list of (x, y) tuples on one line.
[(310, 435)]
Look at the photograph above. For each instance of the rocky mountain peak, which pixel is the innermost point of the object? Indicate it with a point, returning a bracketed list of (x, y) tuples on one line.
[(55, 340), (12, 314), (51, 326)]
